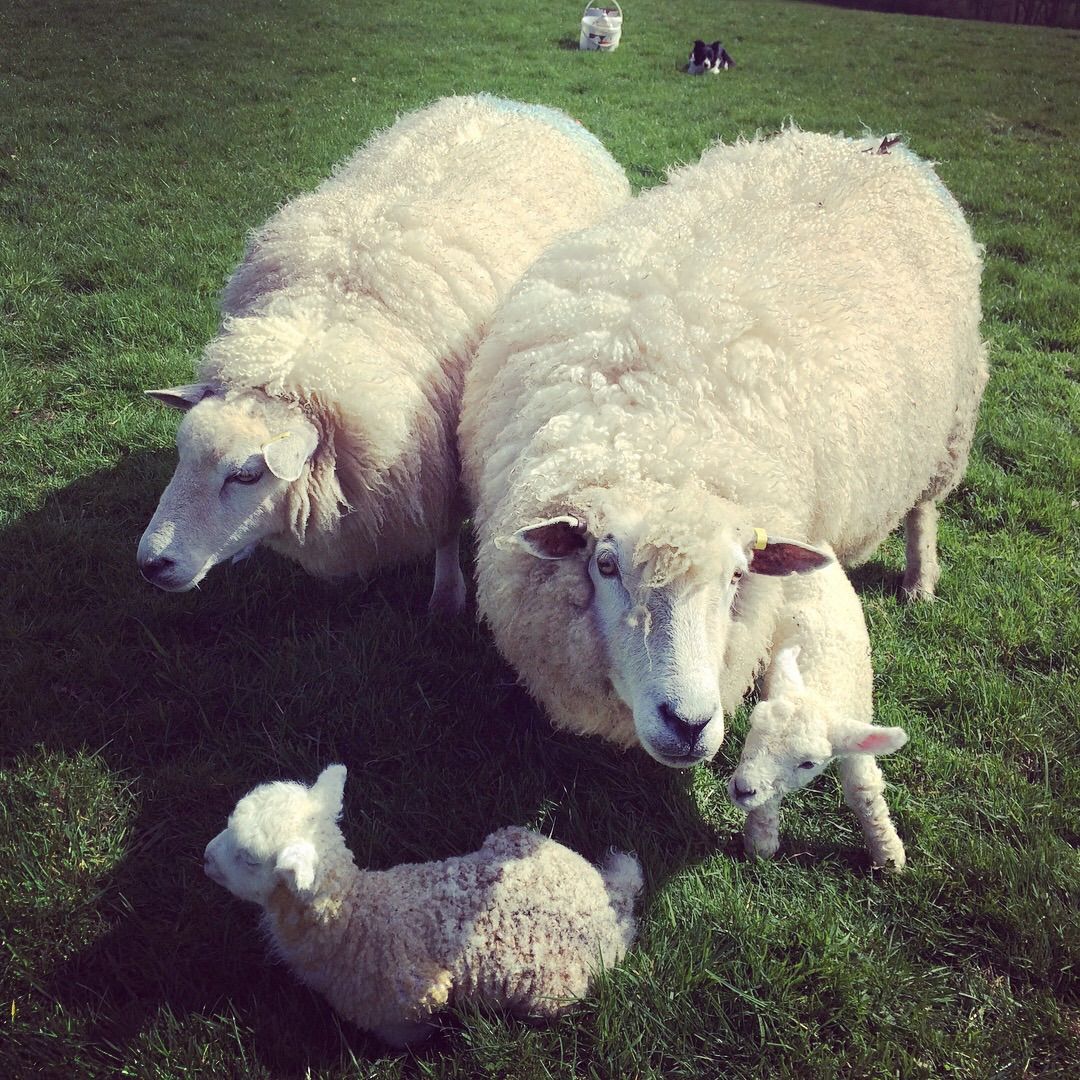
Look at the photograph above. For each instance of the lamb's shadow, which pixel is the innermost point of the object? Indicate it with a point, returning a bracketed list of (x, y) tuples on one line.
[(265, 674), (875, 579)]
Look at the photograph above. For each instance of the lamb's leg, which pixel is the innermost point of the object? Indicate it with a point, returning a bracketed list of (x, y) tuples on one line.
[(761, 833), (921, 572), (448, 594), (864, 792)]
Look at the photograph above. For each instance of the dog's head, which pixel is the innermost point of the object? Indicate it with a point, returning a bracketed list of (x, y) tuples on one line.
[(704, 57)]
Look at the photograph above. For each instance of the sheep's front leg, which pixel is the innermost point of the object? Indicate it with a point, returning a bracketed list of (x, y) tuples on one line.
[(921, 571), (864, 792), (448, 593), (761, 833)]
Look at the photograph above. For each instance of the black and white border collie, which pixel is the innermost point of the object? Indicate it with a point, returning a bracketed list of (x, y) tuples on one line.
[(708, 58)]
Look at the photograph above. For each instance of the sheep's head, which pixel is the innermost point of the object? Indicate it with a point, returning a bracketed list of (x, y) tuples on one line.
[(278, 832), (667, 585), (794, 735), (238, 457)]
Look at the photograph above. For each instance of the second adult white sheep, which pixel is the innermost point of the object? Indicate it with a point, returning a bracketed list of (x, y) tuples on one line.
[(323, 424), (782, 340)]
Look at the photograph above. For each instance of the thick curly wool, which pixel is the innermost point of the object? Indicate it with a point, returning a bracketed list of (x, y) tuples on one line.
[(363, 302), (785, 334), (522, 923)]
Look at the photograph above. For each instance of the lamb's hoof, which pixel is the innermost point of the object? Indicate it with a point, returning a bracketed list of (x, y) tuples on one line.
[(761, 848), (894, 860)]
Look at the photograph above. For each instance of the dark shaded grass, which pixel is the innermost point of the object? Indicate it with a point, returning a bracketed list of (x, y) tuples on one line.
[(137, 144)]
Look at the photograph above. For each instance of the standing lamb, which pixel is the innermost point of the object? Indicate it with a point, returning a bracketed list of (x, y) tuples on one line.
[(323, 424), (782, 340), (794, 735), (522, 923)]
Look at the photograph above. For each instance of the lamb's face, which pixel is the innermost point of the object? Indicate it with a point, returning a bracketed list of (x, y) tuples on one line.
[(237, 460), (786, 748), (665, 616), (270, 834)]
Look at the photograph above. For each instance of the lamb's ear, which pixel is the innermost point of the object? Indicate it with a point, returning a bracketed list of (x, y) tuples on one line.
[(288, 452), (868, 739), (329, 789), (296, 864), (182, 397), (785, 676), (556, 538), (778, 556)]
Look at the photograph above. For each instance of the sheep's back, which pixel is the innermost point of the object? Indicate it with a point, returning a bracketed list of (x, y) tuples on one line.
[(790, 322)]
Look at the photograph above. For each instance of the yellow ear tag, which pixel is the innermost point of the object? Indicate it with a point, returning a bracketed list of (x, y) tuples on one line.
[(761, 540)]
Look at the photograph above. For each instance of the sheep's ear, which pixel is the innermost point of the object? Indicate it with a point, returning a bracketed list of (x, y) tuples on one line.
[(182, 397), (778, 556), (287, 453), (297, 863), (556, 538), (868, 739), (329, 789)]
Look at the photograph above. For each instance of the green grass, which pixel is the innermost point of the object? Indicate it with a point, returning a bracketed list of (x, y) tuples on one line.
[(138, 142)]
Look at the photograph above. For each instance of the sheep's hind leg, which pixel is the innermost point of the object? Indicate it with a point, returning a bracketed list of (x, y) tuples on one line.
[(448, 593), (761, 833), (921, 572), (864, 792)]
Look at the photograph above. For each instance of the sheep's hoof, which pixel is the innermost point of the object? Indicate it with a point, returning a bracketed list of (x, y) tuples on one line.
[(447, 603), (919, 586), (893, 860)]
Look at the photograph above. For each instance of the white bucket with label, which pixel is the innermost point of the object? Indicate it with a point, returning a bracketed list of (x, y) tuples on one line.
[(601, 28)]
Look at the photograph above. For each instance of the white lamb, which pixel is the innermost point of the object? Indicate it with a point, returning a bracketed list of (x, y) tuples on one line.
[(781, 341), (521, 924), (793, 736), (323, 423)]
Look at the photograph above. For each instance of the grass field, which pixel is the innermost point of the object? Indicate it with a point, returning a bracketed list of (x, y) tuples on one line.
[(138, 142)]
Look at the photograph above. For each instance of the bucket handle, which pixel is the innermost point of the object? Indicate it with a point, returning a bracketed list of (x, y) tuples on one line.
[(602, 4)]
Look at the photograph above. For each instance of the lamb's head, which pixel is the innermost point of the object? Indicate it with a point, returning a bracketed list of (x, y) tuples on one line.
[(278, 833), (794, 735), (239, 455), (670, 581)]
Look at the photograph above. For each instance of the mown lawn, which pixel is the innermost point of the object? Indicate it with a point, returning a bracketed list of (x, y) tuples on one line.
[(138, 142)]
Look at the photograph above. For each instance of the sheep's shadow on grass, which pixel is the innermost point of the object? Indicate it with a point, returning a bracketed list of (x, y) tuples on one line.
[(875, 579), (266, 674)]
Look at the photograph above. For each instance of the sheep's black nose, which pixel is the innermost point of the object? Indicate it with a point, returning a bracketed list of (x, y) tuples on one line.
[(687, 728), (743, 793), (155, 568)]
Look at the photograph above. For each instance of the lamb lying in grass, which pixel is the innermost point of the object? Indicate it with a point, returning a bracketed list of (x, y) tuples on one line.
[(794, 734), (522, 923)]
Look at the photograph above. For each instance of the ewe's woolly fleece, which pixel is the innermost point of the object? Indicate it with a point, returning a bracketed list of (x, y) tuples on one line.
[(522, 923), (364, 302), (791, 325)]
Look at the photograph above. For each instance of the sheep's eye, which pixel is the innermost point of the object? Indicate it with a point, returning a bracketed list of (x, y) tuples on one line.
[(243, 477), (735, 577), (606, 564), (806, 764), (245, 857)]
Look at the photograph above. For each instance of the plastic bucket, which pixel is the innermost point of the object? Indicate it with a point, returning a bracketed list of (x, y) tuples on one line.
[(601, 28)]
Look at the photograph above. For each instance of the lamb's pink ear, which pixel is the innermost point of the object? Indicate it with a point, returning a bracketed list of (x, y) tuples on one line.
[(556, 538), (182, 397), (296, 864), (329, 789), (287, 453), (869, 739), (777, 556)]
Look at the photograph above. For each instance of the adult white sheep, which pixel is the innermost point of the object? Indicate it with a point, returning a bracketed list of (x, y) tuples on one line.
[(782, 340), (323, 424), (522, 923)]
